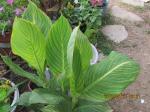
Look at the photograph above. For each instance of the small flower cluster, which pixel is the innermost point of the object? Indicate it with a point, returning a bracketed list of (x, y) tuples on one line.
[(96, 2), (17, 11), (10, 2), (8, 10)]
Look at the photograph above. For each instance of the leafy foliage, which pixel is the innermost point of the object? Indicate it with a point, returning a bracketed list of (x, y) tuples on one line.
[(8, 13), (4, 100), (38, 17), (4, 107), (112, 75), (18, 70), (56, 49), (33, 47), (39, 96), (87, 106), (84, 13), (75, 85)]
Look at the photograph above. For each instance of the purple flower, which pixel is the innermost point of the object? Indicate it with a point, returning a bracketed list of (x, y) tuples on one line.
[(18, 11), (1, 9), (10, 2)]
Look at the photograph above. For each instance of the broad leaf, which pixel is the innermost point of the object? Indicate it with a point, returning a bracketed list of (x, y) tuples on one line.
[(36, 16), (49, 108), (64, 106), (4, 107), (79, 53), (92, 107), (108, 78), (19, 71), (28, 42), (39, 96), (84, 49), (79, 49), (56, 50)]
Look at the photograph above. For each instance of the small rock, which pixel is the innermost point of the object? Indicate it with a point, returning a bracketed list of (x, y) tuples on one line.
[(139, 3), (116, 33), (146, 1), (142, 101), (124, 14)]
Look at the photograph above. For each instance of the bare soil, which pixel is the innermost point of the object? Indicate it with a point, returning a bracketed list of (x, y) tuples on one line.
[(136, 98)]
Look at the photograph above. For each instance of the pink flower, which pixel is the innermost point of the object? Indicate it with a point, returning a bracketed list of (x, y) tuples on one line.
[(1, 9), (10, 2), (96, 2), (18, 11)]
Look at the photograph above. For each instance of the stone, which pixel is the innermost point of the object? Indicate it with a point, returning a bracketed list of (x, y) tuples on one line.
[(125, 15), (146, 1), (139, 3), (116, 33)]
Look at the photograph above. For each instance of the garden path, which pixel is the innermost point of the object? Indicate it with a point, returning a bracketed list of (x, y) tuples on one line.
[(134, 2), (136, 98), (124, 14)]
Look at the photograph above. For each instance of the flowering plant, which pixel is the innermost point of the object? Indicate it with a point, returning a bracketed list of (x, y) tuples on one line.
[(96, 2), (85, 12), (8, 10)]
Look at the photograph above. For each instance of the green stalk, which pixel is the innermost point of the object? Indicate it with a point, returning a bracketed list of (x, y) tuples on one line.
[(43, 78), (73, 91)]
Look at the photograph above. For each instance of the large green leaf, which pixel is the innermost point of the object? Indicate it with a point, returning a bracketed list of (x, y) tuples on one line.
[(108, 78), (92, 107), (79, 49), (64, 106), (56, 50), (38, 17), (39, 96), (50, 108), (4, 107), (82, 54), (19, 71), (79, 54), (28, 42)]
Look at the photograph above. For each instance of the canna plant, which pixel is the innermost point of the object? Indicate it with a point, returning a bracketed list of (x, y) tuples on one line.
[(74, 85)]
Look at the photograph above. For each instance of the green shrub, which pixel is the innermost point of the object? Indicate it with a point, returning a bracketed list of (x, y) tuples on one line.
[(85, 14), (9, 12)]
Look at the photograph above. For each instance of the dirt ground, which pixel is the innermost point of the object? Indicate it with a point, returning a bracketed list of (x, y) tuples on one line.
[(136, 98)]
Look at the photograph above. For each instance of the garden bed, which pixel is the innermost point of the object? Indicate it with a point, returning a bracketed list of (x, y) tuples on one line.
[(54, 60)]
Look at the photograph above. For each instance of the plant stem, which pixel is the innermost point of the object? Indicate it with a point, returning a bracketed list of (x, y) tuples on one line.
[(74, 102), (73, 91), (43, 78), (62, 87)]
